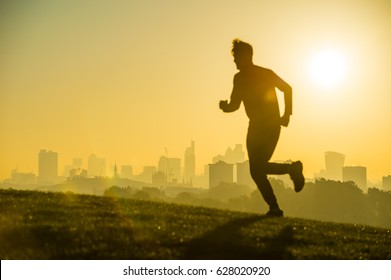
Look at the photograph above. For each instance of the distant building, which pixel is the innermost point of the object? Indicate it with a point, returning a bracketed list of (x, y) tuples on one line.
[(204, 181), (96, 166), (231, 155), (243, 176), (21, 179), (201, 181), (67, 170), (189, 172), (76, 166), (146, 175), (321, 174), (126, 171), (115, 172), (47, 167), (236, 155), (387, 183), (334, 164), (77, 173), (220, 172), (206, 171), (171, 167), (159, 179), (356, 174)]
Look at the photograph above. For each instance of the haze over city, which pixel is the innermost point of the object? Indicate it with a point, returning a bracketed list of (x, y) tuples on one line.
[(131, 81)]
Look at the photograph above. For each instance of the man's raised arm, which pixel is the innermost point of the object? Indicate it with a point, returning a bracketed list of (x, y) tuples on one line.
[(287, 90), (234, 103)]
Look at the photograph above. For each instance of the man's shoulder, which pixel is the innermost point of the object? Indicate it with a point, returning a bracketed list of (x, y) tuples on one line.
[(237, 76), (263, 70), (255, 71)]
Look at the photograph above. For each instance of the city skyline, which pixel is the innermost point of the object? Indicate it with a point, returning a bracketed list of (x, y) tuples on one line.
[(126, 79), (174, 169), (64, 165)]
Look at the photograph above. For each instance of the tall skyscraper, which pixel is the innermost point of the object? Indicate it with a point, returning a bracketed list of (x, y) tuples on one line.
[(171, 167), (96, 166), (220, 172), (189, 173), (356, 174), (47, 167), (334, 164), (387, 183)]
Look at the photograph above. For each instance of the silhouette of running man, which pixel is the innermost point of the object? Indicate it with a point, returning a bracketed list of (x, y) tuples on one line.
[(255, 87)]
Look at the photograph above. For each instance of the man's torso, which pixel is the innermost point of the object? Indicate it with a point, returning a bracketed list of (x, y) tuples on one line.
[(256, 88)]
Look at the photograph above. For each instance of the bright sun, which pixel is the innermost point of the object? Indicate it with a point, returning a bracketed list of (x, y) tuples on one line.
[(327, 69)]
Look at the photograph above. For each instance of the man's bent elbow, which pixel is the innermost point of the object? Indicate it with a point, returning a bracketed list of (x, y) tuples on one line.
[(233, 108), (288, 90)]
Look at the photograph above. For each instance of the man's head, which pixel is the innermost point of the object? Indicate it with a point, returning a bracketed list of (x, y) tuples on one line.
[(243, 53)]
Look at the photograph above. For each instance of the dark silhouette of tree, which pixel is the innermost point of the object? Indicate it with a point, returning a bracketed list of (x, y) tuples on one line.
[(226, 191), (321, 200), (116, 191), (379, 207)]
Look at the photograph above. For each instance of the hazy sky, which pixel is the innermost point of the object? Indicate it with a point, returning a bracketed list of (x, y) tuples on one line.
[(127, 79)]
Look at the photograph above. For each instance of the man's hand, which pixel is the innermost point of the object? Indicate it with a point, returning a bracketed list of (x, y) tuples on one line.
[(223, 105), (285, 120)]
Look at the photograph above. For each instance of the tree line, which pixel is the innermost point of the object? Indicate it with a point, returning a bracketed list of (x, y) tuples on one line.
[(321, 200)]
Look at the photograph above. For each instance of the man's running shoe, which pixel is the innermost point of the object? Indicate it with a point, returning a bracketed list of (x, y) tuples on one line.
[(296, 174), (275, 212)]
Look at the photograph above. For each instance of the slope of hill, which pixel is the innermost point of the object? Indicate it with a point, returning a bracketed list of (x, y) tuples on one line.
[(38, 225)]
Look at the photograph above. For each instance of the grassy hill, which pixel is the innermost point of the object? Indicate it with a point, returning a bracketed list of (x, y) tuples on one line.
[(37, 225)]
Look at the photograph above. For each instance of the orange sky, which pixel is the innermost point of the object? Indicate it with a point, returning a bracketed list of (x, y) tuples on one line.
[(128, 79)]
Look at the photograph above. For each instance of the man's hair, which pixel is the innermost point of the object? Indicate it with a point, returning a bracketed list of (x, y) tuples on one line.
[(241, 48)]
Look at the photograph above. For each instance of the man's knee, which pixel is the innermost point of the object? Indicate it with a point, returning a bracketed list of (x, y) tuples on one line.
[(258, 172)]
